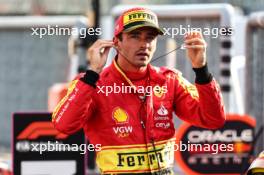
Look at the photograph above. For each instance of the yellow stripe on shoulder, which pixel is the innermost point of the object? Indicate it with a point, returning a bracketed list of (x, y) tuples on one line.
[(71, 87), (188, 87)]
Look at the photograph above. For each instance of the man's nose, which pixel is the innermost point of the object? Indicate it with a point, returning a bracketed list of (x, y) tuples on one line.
[(144, 43)]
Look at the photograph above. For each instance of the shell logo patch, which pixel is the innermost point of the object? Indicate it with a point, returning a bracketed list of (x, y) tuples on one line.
[(120, 116)]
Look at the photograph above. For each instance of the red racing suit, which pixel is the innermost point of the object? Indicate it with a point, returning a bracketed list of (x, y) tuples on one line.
[(135, 140)]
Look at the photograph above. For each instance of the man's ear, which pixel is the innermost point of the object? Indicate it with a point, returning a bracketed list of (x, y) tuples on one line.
[(115, 42)]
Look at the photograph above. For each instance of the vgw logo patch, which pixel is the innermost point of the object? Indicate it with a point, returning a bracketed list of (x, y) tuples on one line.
[(121, 118)]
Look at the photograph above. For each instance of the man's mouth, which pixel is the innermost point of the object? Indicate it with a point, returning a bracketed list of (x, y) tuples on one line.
[(143, 54)]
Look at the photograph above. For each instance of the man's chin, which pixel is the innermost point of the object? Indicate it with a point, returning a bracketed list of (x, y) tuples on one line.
[(142, 64)]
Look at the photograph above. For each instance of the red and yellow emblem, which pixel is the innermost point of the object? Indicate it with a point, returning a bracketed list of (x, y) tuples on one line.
[(120, 116)]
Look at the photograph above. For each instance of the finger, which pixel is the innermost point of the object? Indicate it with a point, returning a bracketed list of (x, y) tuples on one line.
[(195, 41), (98, 45), (105, 47), (106, 51), (100, 42), (102, 46), (99, 49), (193, 34), (103, 40), (195, 46), (189, 35), (199, 35)]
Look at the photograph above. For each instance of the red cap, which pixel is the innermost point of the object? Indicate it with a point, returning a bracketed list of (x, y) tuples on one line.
[(135, 18)]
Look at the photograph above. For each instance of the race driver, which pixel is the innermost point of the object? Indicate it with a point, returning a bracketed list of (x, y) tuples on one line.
[(135, 126)]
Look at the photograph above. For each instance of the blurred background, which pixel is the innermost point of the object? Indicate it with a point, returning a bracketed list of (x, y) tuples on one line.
[(34, 70)]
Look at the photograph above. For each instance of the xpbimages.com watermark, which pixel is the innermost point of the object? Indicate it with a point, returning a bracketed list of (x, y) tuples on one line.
[(49, 30), (124, 89), (64, 31), (202, 148), (214, 32), (55, 146)]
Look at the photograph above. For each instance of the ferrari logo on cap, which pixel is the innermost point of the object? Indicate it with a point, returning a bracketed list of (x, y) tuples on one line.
[(140, 16)]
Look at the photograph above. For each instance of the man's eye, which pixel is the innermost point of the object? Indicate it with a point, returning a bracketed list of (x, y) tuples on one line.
[(150, 37), (134, 36)]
